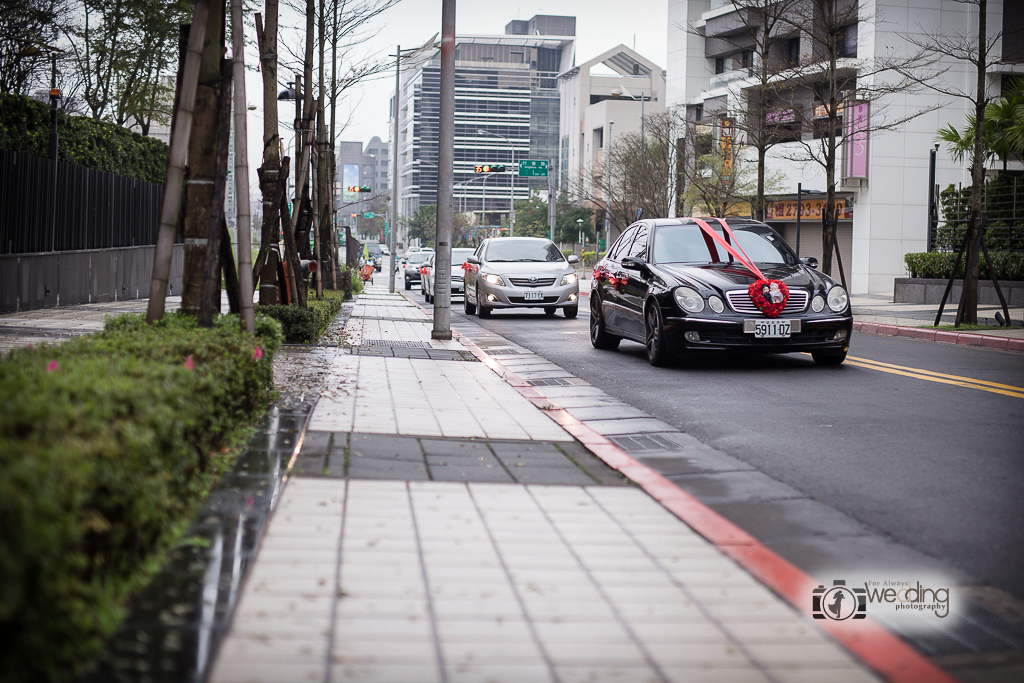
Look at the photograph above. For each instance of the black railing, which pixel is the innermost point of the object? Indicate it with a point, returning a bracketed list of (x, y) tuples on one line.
[(54, 206), (1003, 206)]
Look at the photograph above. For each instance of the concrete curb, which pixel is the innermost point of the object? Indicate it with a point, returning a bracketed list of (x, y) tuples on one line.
[(872, 644), (987, 341)]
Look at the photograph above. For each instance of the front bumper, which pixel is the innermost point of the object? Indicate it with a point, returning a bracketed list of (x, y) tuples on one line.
[(412, 275), (557, 296), (725, 334)]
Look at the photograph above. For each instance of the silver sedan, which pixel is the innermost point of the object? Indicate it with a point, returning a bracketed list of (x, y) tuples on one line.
[(521, 272)]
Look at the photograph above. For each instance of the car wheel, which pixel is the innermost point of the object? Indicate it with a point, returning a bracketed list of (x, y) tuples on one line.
[(571, 311), (407, 285), (599, 337), (828, 357), (657, 354), (481, 310), (549, 310), (469, 308)]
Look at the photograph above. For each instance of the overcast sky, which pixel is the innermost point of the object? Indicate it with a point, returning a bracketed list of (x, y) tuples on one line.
[(600, 25)]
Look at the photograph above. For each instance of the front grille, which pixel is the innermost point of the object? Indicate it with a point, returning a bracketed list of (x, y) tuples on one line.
[(527, 282), (723, 337), (535, 302), (740, 302), (456, 278)]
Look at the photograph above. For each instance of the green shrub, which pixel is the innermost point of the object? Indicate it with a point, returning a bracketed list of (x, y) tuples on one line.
[(305, 325), (108, 444), (1009, 265), (84, 141)]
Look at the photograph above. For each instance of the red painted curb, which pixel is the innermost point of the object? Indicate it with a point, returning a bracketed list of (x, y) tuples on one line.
[(885, 653), (987, 341)]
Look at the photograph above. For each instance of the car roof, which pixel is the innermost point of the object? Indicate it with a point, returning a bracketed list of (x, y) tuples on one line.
[(688, 220)]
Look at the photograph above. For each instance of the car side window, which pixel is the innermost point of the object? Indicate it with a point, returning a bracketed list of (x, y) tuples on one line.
[(639, 246), (621, 244)]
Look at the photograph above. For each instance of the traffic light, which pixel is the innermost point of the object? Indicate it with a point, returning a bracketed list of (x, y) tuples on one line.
[(490, 169), (360, 188)]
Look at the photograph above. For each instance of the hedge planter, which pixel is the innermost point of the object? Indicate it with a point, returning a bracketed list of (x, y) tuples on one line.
[(921, 290)]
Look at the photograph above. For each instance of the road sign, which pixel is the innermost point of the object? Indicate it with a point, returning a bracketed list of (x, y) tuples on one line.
[(369, 214), (533, 167)]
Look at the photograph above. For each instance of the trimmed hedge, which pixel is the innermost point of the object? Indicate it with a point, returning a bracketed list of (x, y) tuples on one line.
[(305, 325), (1009, 265), (108, 444), (84, 141)]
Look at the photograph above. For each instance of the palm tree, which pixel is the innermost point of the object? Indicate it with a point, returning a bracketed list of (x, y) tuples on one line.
[(1004, 129)]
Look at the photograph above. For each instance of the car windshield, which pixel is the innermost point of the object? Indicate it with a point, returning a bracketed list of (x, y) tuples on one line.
[(686, 244), (420, 256), (523, 250), (459, 256)]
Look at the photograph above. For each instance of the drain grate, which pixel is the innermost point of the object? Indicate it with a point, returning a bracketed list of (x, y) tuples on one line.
[(633, 443), (504, 352), (978, 630), (553, 382), (396, 343)]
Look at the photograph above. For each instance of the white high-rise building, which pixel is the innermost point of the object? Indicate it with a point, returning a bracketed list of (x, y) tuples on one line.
[(885, 202)]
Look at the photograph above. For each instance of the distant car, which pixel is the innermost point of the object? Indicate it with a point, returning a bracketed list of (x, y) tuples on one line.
[(374, 255), (521, 272), (459, 257), (408, 252), (384, 250), (413, 265), (668, 285)]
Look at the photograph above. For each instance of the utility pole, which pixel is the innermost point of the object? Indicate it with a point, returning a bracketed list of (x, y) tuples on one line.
[(445, 177), (393, 151), (552, 200), (607, 170)]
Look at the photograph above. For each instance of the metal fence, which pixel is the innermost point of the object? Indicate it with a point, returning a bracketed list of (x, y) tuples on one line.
[(1003, 206), (48, 206)]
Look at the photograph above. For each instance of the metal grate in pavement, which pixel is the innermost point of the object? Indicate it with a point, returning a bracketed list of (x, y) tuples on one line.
[(505, 352), (634, 443), (396, 343), (977, 630), (430, 354), (552, 382)]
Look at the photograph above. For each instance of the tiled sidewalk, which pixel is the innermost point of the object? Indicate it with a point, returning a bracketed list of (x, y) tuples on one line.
[(374, 570)]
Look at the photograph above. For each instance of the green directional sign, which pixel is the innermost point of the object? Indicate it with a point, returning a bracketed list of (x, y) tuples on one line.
[(533, 167), (369, 214)]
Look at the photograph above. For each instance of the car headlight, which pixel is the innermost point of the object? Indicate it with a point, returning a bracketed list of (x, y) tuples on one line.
[(569, 279), (688, 299), (817, 303), (494, 279), (837, 299), (716, 304)]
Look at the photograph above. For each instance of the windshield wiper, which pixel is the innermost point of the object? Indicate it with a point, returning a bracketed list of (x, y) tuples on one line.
[(532, 260)]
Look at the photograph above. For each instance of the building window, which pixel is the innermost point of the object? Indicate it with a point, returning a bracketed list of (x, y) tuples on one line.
[(747, 59), (719, 65), (793, 51), (847, 46), (698, 112)]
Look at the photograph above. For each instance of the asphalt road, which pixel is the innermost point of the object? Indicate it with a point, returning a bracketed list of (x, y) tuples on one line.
[(934, 466)]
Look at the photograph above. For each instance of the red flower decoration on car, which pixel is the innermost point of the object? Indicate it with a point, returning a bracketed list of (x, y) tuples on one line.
[(770, 296)]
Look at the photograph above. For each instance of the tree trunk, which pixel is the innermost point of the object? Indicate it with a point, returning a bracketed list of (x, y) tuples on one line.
[(202, 161), (271, 169), (967, 310), (828, 224), (210, 292)]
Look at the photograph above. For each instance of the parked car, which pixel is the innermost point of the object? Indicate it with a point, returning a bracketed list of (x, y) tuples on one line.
[(668, 285), (413, 265), (521, 272), (459, 257)]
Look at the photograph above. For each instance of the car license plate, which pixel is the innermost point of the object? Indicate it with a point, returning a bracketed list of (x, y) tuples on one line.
[(535, 295), (772, 329)]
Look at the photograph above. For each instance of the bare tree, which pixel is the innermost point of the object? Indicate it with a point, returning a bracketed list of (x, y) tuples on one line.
[(976, 48), (29, 29)]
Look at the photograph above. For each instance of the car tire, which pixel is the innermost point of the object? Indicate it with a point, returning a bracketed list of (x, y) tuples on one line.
[(599, 337), (467, 307), (571, 311), (657, 353), (407, 285), (829, 357), (481, 310), (549, 310)]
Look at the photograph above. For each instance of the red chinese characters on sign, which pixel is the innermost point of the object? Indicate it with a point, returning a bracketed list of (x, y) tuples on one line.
[(813, 209)]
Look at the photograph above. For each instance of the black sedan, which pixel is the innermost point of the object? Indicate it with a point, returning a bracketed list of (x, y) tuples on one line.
[(674, 287)]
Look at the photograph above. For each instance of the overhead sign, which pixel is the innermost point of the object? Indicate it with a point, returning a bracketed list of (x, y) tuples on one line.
[(369, 214), (533, 167)]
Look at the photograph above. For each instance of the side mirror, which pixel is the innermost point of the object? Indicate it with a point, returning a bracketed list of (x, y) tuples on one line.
[(633, 263), (809, 261), (573, 258), (473, 259)]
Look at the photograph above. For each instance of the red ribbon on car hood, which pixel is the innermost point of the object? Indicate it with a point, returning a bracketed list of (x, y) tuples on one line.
[(744, 260)]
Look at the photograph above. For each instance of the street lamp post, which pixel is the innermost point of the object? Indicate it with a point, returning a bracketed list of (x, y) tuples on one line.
[(512, 181)]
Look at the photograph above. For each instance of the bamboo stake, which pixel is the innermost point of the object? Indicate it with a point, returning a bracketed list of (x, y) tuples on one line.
[(242, 170), (171, 203)]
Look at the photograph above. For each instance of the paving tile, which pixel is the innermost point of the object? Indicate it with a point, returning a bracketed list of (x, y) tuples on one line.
[(459, 652), (814, 675), (607, 674), (527, 671), (385, 673), (737, 674), (406, 651), (282, 650), (232, 671)]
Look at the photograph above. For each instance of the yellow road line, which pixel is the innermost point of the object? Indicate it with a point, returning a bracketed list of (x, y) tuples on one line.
[(992, 387), (937, 374)]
